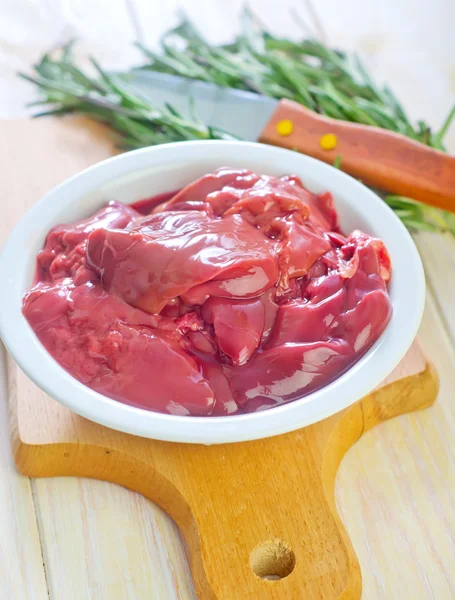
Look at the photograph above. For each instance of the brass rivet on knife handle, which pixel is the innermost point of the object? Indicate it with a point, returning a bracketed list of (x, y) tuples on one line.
[(285, 127), (328, 141), (380, 158)]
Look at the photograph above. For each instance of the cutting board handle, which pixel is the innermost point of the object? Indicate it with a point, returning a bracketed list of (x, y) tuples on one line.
[(378, 157), (250, 510), (259, 517)]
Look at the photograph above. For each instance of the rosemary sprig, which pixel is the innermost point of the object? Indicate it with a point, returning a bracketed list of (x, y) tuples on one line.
[(327, 81), (420, 217), (107, 98)]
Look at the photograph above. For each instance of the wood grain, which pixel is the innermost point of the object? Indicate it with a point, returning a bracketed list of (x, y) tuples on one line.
[(226, 499), (142, 556), (396, 491), (104, 542), (396, 486), (438, 255), (21, 565), (380, 158)]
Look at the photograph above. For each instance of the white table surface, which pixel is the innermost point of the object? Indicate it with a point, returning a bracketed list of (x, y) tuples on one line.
[(75, 539)]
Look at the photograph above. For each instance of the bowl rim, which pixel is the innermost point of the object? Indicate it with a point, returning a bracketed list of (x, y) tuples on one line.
[(354, 384)]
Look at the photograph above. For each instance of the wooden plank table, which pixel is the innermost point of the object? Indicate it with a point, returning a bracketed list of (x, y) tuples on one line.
[(74, 539)]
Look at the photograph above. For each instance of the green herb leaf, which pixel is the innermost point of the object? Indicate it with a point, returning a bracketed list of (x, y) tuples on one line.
[(337, 162), (308, 71), (110, 99)]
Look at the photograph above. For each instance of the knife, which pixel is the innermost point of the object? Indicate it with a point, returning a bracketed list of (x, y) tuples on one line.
[(380, 158)]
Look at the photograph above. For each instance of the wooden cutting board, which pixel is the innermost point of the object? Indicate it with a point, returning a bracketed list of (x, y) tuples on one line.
[(259, 517)]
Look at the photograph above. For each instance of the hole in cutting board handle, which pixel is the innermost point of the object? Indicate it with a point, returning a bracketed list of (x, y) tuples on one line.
[(272, 560)]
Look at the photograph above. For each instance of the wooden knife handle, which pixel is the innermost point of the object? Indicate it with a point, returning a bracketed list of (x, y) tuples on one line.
[(378, 157)]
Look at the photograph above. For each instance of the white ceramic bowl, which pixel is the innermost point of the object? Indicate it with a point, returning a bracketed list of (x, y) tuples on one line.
[(147, 172)]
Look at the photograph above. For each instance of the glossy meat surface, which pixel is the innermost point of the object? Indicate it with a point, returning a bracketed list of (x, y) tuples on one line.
[(236, 294)]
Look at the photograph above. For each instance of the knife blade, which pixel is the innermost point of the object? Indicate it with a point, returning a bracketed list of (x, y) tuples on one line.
[(380, 158), (242, 114)]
